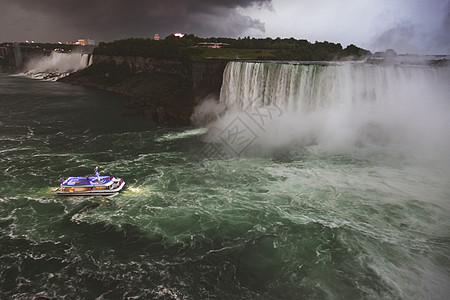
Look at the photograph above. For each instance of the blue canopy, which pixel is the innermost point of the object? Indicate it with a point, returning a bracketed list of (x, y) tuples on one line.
[(83, 181)]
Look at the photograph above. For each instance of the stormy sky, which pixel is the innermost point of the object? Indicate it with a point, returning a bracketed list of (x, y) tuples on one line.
[(408, 26)]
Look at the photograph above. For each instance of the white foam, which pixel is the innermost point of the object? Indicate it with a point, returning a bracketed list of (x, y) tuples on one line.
[(341, 107), (56, 65)]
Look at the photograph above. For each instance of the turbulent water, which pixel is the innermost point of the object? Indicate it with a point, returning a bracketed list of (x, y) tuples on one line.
[(56, 65), (333, 196)]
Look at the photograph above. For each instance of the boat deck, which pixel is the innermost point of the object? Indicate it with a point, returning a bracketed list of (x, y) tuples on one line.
[(87, 181)]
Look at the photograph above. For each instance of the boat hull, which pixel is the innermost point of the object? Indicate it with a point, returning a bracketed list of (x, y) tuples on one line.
[(108, 192)]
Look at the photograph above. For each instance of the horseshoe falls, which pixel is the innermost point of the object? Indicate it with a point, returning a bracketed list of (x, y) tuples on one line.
[(307, 182), (344, 106)]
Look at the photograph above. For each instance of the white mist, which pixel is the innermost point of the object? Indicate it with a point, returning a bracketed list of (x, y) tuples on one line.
[(56, 65), (341, 107)]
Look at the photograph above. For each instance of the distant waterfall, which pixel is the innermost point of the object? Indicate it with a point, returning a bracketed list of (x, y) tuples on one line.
[(57, 65), (18, 55), (86, 60)]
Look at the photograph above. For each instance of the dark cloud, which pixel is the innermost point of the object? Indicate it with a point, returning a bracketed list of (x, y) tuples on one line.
[(52, 20), (412, 26)]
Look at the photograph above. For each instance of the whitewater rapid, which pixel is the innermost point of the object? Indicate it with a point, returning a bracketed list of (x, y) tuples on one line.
[(56, 65)]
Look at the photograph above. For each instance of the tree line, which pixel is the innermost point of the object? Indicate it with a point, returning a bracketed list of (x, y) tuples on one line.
[(184, 49)]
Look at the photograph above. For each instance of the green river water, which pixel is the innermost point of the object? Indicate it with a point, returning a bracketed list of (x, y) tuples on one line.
[(300, 222)]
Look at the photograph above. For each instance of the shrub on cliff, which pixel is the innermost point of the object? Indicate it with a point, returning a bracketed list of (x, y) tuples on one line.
[(353, 52)]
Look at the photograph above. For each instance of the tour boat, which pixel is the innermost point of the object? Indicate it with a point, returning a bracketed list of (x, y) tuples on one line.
[(91, 186)]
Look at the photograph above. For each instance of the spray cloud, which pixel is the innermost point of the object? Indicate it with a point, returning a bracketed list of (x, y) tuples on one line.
[(339, 108)]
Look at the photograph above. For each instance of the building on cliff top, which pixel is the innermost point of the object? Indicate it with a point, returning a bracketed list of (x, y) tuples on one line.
[(212, 45), (82, 42)]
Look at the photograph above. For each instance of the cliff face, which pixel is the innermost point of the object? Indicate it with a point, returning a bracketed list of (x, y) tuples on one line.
[(207, 75), (162, 90), (142, 64)]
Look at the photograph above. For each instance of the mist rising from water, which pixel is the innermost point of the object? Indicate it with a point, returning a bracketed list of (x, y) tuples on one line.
[(207, 112), (56, 65), (339, 108)]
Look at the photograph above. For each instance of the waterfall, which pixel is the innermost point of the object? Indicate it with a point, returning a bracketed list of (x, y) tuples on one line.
[(56, 65), (309, 87), (90, 59), (18, 55), (85, 59), (337, 106)]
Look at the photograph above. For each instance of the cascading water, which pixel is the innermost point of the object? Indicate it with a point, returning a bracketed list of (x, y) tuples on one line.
[(309, 87), (341, 106), (57, 65)]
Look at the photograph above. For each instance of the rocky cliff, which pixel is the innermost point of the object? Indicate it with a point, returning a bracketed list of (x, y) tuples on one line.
[(162, 90), (142, 64)]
